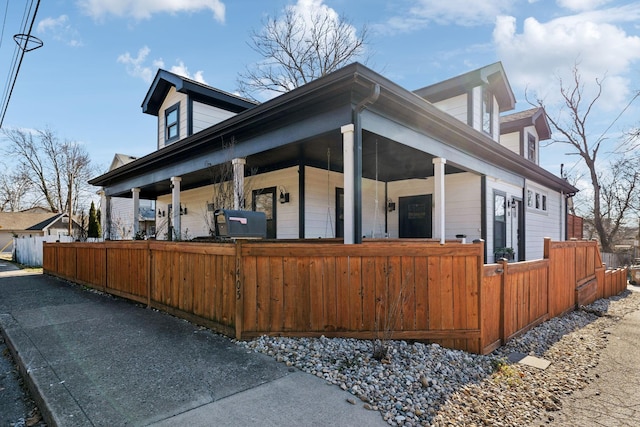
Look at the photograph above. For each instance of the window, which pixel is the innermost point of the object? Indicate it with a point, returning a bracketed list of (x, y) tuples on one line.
[(537, 200), (487, 110), (172, 123), (499, 220), (531, 148)]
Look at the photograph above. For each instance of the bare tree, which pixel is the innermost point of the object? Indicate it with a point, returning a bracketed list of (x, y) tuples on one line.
[(15, 187), (297, 49), (613, 191), (224, 189), (58, 171)]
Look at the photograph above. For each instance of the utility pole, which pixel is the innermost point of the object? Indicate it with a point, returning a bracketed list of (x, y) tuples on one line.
[(70, 204)]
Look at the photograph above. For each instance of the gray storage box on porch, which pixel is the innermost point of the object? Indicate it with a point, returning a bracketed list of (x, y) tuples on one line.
[(240, 224)]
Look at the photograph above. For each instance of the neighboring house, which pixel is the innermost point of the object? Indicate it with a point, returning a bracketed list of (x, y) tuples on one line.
[(30, 224), (353, 155), (121, 213)]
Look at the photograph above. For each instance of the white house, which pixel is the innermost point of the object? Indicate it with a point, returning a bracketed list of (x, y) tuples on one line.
[(121, 219), (351, 155)]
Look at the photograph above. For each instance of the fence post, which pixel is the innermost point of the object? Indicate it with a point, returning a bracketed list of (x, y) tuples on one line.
[(239, 275), (150, 276), (503, 308)]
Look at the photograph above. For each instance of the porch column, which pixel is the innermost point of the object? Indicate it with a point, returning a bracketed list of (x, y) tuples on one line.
[(175, 207), (238, 182), (439, 192), (105, 218), (135, 192), (348, 179)]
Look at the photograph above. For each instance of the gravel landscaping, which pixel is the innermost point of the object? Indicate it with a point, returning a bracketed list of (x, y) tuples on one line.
[(426, 384)]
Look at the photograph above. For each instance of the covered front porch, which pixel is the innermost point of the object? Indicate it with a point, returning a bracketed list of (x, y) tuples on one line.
[(351, 155)]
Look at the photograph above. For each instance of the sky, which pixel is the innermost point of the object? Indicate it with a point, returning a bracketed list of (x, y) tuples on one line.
[(88, 80)]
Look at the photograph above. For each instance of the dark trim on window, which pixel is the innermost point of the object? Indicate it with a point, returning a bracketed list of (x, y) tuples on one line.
[(531, 140), (168, 126), (274, 214), (301, 211), (501, 233), (486, 106)]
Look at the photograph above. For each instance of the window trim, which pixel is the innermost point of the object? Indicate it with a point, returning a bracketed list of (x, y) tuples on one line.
[(487, 109), (167, 126), (499, 226), (531, 143)]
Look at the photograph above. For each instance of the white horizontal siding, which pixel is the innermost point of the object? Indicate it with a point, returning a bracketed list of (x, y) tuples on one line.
[(462, 203), (286, 213), (320, 207), (205, 116), (511, 141), (456, 106), (319, 203), (541, 224), (510, 191), (199, 221)]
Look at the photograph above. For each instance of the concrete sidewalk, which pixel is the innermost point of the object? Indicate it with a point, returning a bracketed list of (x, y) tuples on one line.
[(94, 360), (613, 399)]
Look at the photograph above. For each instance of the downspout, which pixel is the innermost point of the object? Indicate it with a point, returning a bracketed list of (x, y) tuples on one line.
[(357, 161)]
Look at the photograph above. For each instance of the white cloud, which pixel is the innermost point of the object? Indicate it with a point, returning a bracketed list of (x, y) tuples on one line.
[(447, 12), (143, 9), (60, 29), (581, 5), (182, 70), (137, 67), (539, 54)]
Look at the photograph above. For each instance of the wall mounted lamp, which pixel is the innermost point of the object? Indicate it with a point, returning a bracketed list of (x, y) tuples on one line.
[(391, 205), (284, 196), (161, 213), (183, 210)]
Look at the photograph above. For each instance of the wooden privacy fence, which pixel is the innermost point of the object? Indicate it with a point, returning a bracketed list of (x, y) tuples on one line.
[(389, 289)]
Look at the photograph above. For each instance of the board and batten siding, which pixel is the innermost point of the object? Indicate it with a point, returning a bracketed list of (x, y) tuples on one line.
[(172, 98), (541, 224), (456, 106), (205, 116)]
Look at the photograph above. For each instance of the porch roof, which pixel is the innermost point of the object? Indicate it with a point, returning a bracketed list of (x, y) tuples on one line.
[(303, 127)]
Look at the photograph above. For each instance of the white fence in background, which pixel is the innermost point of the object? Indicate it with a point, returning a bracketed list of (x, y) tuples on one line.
[(28, 250)]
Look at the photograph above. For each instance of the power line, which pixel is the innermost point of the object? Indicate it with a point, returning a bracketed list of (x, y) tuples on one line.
[(20, 50), (4, 22)]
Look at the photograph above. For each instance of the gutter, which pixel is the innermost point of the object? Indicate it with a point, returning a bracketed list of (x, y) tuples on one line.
[(357, 160)]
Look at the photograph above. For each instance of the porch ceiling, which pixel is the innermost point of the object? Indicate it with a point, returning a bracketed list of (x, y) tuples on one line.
[(381, 157)]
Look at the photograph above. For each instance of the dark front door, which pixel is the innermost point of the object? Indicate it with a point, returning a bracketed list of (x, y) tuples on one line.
[(264, 201), (415, 216)]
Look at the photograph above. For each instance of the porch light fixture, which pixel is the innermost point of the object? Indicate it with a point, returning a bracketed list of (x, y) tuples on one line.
[(391, 205), (284, 196), (161, 213), (183, 210)]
